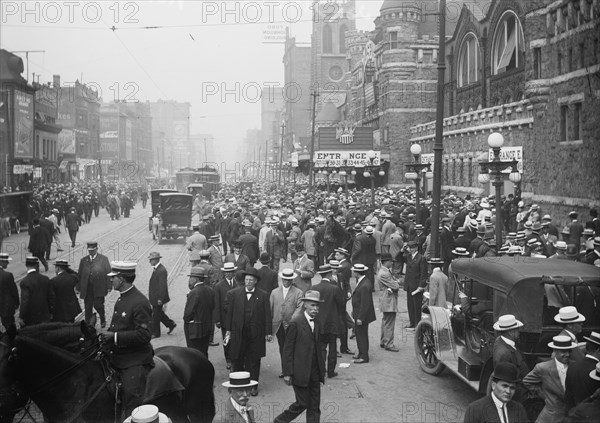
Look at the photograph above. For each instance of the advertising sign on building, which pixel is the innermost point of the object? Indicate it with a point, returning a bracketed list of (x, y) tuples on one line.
[(109, 145), (345, 159), (352, 137), (274, 34), (66, 141), (294, 159), (23, 118), (508, 154)]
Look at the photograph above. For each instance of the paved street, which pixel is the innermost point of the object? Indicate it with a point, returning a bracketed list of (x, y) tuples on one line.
[(390, 388)]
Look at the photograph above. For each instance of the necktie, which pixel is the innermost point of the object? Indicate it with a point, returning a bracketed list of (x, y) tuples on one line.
[(504, 413)]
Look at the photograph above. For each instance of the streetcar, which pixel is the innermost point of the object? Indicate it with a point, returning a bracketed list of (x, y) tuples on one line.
[(207, 176)]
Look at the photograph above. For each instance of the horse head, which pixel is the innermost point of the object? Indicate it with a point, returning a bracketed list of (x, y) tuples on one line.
[(12, 397)]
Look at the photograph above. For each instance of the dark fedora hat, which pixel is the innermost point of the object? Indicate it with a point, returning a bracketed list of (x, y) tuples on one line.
[(264, 258), (507, 372), (386, 257), (252, 272)]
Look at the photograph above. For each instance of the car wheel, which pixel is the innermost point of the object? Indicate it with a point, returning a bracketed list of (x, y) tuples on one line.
[(425, 348)]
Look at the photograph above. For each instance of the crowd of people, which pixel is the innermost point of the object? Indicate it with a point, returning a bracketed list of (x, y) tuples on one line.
[(240, 283)]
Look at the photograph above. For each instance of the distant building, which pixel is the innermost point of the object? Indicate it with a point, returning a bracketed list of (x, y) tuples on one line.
[(202, 150), (529, 71), (171, 131), (46, 134), (269, 136)]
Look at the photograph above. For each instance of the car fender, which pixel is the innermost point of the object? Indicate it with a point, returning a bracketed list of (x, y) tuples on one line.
[(444, 336)]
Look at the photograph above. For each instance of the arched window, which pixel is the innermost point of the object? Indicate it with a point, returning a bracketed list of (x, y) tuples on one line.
[(343, 30), (508, 51), (468, 60), (327, 40)]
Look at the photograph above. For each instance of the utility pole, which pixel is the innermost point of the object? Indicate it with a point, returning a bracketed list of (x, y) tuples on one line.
[(281, 155), (311, 163), (266, 157), (438, 146), (27, 59)]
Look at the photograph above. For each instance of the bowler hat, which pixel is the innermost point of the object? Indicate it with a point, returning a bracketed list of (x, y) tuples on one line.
[(314, 296), (251, 271), (265, 258), (411, 244), (507, 372), (386, 257)]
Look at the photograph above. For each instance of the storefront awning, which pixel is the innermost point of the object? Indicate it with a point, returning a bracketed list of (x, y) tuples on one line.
[(86, 162)]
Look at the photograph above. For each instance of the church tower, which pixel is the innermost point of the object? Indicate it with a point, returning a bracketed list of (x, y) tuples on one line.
[(330, 55)]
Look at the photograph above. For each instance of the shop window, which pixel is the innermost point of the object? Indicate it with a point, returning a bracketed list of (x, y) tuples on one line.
[(468, 61), (509, 44)]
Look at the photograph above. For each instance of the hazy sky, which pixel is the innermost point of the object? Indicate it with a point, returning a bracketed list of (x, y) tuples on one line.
[(199, 50)]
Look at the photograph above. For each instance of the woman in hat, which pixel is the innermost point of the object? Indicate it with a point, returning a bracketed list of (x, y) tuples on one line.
[(548, 378), (67, 305)]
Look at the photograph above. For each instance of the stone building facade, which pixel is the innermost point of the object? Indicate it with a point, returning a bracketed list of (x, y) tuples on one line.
[(528, 70)]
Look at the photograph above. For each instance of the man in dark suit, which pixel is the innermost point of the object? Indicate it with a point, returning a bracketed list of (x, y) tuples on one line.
[(249, 244), (73, 222), (342, 275), (330, 315), (67, 305), (158, 295), (499, 402), (446, 243), (248, 324), (37, 296), (578, 385), (38, 242), (414, 283), (267, 276), (303, 364), (226, 284), (48, 228), (93, 282), (363, 312), (198, 312), (241, 261), (9, 295), (363, 251), (505, 350)]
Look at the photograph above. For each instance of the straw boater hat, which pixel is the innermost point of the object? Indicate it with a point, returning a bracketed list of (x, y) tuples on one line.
[(507, 322), (369, 230), (569, 314), (31, 261), (335, 264), (460, 251), (358, 267), (229, 267), (595, 374), (4, 257), (561, 245), (288, 274), (326, 268), (314, 296), (239, 380), (594, 337), (147, 414), (342, 251), (61, 263), (562, 342)]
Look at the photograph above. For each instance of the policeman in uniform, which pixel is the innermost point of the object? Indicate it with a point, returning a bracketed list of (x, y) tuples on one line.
[(129, 336)]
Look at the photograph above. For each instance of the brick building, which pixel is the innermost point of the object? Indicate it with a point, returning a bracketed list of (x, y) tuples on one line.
[(530, 71), (394, 75)]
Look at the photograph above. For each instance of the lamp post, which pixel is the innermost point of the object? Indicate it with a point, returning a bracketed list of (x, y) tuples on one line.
[(413, 173), (281, 155), (493, 170)]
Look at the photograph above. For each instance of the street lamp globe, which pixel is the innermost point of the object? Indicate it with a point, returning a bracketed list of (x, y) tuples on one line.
[(429, 174), (495, 140), (333, 172), (515, 177), (325, 172), (381, 173), (367, 174), (353, 173), (371, 154), (484, 178), (343, 173), (415, 149)]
